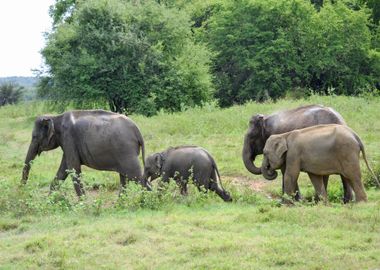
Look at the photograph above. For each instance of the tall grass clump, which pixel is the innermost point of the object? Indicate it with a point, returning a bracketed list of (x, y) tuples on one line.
[(369, 180)]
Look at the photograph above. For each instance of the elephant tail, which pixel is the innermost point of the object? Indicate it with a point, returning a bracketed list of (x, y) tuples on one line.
[(365, 159), (215, 167), (141, 144)]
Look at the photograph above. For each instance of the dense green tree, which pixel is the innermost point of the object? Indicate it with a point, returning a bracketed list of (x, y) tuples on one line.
[(10, 93), (338, 49), (259, 47), (139, 57), (62, 10), (265, 48)]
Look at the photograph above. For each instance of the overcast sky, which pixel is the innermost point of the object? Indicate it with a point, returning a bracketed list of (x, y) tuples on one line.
[(22, 23)]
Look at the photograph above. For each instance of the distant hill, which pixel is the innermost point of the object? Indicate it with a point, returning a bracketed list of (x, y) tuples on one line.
[(27, 82)]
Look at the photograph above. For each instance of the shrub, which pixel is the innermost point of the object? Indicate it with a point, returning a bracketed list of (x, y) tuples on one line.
[(368, 179), (10, 93)]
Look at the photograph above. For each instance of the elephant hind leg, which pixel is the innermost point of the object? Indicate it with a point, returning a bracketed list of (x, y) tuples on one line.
[(352, 176), (318, 183), (123, 183), (357, 186), (213, 186), (347, 190), (131, 170)]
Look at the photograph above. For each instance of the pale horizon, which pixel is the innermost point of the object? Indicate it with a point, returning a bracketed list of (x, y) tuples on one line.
[(22, 27)]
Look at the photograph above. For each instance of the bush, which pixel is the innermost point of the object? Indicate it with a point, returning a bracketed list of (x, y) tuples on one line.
[(368, 179), (10, 93)]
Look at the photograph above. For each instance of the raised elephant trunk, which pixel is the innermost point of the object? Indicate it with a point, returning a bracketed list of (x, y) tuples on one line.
[(32, 153), (267, 172), (249, 157)]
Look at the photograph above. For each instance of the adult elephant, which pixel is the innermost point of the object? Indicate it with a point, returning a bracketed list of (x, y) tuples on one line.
[(261, 127), (98, 139)]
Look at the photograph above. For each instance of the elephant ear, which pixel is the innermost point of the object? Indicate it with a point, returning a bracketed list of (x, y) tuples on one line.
[(257, 124), (280, 146), (257, 120), (48, 126), (158, 160)]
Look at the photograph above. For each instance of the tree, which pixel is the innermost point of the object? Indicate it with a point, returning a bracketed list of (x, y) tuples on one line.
[(62, 11), (259, 48), (266, 48), (139, 57), (10, 93)]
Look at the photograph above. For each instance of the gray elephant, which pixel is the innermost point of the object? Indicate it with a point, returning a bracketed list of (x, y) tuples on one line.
[(98, 139), (182, 162), (261, 127), (319, 150)]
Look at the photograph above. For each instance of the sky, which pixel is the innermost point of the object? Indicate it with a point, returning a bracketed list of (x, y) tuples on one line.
[(22, 24)]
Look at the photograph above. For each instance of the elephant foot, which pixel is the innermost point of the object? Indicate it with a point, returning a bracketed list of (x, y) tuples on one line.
[(79, 190), (298, 197), (285, 200)]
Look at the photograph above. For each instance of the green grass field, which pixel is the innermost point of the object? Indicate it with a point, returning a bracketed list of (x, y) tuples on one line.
[(163, 230)]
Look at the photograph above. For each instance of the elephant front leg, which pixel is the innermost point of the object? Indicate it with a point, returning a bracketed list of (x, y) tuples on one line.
[(290, 180), (60, 176), (297, 192), (77, 183), (74, 166)]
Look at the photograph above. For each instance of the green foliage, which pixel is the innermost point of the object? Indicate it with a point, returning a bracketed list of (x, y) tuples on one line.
[(265, 48), (369, 180), (61, 11), (139, 57), (10, 93)]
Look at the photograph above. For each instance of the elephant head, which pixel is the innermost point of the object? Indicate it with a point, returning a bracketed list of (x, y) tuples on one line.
[(43, 139), (254, 142), (274, 156), (153, 165)]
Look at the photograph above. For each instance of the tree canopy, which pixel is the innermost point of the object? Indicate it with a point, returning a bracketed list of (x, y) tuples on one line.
[(139, 57), (266, 48), (143, 56)]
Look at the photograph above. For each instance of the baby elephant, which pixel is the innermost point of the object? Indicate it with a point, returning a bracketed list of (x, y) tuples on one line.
[(182, 162), (320, 151)]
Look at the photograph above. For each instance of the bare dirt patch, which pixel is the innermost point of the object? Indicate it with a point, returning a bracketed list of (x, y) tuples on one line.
[(258, 185)]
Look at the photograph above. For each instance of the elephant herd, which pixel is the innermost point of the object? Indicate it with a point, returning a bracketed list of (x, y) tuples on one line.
[(313, 139)]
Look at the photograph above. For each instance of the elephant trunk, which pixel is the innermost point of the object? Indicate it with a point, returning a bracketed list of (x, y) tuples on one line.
[(32, 153), (145, 182), (267, 172), (249, 157)]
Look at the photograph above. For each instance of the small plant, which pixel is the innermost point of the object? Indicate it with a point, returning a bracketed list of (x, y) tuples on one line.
[(368, 179), (10, 93), (58, 200)]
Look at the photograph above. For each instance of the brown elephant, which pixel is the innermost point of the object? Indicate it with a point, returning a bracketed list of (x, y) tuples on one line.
[(261, 127), (319, 151)]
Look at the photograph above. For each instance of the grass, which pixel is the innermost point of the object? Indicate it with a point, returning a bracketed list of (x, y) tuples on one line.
[(163, 230)]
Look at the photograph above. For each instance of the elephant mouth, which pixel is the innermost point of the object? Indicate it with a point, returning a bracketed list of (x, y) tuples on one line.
[(268, 172)]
